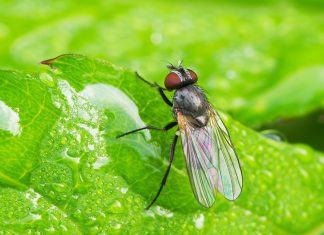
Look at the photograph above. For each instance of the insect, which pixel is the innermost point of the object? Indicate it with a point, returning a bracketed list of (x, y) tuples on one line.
[(211, 161)]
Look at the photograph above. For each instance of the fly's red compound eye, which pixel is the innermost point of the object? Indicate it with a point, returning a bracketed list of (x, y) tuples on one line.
[(172, 81), (193, 75), (177, 79)]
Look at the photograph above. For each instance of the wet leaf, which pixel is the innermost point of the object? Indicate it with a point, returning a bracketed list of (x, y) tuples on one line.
[(62, 170)]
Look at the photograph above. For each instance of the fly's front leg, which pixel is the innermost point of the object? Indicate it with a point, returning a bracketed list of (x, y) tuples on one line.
[(158, 87), (167, 127)]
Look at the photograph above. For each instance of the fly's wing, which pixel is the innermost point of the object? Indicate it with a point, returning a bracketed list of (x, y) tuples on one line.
[(211, 160), (224, 158)]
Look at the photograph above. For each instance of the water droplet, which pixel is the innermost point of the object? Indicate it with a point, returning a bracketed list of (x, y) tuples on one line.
[(59, 187), (247, 212), (117, 226), (199, 221), (124, 190), (76, 160), (47, 79), (92, 131), (249, 159), (100, 162), (31, 217), (304, 173), (149, 213), (57, 104), (92, 218), (118, 203), (102, 214), (107, 96), (32, 196), (36, 216), (9, 119), (91, 147), (64, 228), (50, 229), (66, 91), (161, 211), (304, 154), (274, 135)]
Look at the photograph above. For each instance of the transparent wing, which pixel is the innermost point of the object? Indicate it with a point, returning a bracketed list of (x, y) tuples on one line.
[(225, 160), (211, 160)]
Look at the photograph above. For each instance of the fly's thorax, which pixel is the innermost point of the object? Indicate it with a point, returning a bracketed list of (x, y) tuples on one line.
[(192, 102)]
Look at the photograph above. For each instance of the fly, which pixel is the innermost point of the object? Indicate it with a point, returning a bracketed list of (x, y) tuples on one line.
[(211, 161)]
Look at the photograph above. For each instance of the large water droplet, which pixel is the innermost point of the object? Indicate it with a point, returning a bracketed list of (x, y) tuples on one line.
[(106, 97), (9, 119)]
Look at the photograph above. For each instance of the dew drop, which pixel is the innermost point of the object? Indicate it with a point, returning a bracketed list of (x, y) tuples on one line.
[(59, 187), (50, 229), (106, 97), (100, 162), (247, 212), (91, 147), (57, 104), (160, 211), (118, 204), (250, 159), (123, 190), (47, 79), (303, 173), (9, 119), (303, 154), (199, 221), (76, 160), (149, 213), (64, 228)]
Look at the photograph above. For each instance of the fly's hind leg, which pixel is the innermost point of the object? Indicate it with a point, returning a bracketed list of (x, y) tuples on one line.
[(171, 156), (158, 87)]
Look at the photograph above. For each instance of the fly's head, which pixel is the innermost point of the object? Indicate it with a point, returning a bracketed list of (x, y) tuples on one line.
[(179, 77)]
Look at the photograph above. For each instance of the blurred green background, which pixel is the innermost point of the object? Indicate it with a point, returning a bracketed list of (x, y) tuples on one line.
[(240, 50)]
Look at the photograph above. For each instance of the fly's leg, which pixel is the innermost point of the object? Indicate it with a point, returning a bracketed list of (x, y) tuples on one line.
[(158, 87), (171, 155), (167, 127)]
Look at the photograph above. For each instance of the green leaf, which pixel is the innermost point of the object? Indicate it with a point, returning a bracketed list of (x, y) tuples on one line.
[(62, 170), (300, 93)]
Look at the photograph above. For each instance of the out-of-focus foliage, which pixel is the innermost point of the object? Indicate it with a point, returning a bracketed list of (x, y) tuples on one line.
[(240, 51), (61, 169)]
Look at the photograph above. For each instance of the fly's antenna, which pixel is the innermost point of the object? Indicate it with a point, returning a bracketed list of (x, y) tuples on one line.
[(177, 68), (171, 67), (180, 64)]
